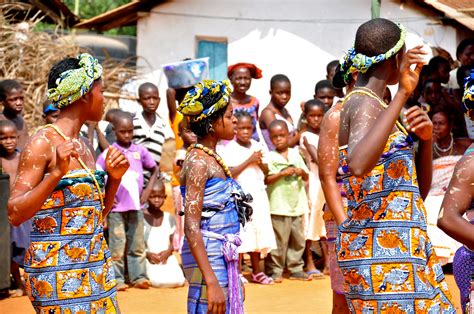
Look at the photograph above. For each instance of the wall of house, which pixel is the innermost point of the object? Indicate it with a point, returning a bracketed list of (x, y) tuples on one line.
[(297, 37)]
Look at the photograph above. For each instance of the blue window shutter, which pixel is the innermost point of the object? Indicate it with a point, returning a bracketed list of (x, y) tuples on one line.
[(217, 53)]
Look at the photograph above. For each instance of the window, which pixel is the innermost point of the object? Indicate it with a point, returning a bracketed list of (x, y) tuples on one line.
[(215, 48)]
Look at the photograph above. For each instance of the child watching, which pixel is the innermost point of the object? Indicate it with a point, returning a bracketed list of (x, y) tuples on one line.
[(314, 226), (244, 156), (148, 126), (19, 236), (241, 75), (188, 138), (162, 267), (280, 92), (12, 99), (325, 92), (50, 113), (125, 221), (288, 204)]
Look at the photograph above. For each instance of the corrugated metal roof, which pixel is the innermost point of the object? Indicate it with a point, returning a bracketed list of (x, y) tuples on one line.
[(460, 10), (124, 15)]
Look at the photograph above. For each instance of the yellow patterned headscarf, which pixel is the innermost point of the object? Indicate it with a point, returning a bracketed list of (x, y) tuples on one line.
[(204, 99), (73, 84)]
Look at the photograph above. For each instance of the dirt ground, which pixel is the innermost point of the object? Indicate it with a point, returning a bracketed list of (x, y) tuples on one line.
[(287, 297)]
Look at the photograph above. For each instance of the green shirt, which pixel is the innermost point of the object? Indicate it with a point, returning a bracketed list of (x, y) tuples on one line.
[(287, 196)]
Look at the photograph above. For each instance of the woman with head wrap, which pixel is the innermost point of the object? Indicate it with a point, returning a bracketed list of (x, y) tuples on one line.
[(456, 216), (68, 265), (382, 248), (213, 208), (241, 75)]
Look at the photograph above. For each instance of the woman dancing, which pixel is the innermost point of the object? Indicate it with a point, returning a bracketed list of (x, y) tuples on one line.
[(68, 266), (382, 247), (212, 204)]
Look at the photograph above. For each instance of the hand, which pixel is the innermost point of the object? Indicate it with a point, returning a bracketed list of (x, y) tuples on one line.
[(153, 258), (216, 302), (64, 152), (408, 77), (288, 171), (419, 123), (164, 255), (255, 157), (115, 163), (299, 172), (145, 194)]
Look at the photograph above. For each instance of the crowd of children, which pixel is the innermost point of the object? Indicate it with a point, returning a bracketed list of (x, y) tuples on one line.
[(275, 161)]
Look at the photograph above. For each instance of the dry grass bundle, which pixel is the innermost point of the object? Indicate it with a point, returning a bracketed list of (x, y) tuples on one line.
[(27, 56)]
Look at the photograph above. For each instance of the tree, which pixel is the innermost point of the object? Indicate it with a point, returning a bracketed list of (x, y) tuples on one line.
[(91, 8)]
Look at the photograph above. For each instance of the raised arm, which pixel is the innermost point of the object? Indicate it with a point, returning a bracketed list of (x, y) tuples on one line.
[(171, 102), (33, 185), (457, 201), (371, 127), (328, 156)]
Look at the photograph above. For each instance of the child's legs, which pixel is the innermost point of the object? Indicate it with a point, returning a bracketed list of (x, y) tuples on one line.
[(309, 256), (15, 271), (117, 242), (275, 261), (136, 258), (255, 260), (324, 249), (296, 245)]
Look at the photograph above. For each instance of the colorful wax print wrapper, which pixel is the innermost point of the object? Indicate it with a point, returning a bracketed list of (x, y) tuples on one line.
[(186, 73)]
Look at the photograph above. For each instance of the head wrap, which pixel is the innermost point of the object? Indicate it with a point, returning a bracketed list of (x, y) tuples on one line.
[(255, 72), (468, 96), (75, 83), (204, 99), (353, 61), (49, 109)]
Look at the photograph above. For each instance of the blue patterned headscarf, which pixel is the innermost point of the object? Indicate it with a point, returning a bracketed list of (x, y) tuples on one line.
[(468, 96), (205, 99), (75, 83), (353, 61)]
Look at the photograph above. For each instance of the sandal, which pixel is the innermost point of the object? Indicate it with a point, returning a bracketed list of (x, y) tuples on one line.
[(243, 280), (300, 276), (315, 274), (261, 278)]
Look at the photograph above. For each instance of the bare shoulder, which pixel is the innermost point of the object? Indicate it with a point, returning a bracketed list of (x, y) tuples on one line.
[(198, 166)]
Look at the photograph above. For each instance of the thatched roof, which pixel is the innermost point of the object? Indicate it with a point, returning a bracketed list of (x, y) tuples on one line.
[(27, 56)]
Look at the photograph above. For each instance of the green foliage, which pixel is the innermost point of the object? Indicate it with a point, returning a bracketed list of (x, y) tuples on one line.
[(91, 8)]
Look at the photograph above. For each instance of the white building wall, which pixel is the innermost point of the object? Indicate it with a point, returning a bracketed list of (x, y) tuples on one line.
[(294, 37)]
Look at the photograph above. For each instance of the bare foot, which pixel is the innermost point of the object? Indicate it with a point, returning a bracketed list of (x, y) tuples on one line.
[(17, 293)]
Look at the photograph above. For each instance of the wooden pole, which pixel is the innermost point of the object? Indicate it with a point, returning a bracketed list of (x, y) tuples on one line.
[(375, 8)]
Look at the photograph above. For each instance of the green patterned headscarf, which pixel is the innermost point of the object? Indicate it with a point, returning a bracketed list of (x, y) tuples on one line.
[(205, 99), (73, 84)]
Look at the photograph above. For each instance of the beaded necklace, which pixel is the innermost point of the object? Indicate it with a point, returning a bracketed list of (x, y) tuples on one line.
[(214, 155), (368, 92), (83, 165), (439, 151)]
